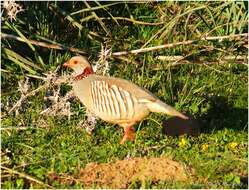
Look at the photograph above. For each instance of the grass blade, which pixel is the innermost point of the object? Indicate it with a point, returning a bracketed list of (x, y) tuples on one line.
[(19, 60)]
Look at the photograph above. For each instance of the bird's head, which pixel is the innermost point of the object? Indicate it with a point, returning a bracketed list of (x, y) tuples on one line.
[(80, 65)]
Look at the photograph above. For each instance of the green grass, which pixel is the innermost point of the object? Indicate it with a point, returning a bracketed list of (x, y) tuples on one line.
[(216, 94)]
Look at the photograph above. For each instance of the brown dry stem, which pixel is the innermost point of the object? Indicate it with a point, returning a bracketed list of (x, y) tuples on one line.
[(154, 48), (28, 177), (43, 44)]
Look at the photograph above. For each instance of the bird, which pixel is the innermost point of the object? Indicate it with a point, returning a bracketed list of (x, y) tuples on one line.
[(115, 100)]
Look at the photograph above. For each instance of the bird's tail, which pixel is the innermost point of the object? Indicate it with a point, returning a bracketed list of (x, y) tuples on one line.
[(160, 107)]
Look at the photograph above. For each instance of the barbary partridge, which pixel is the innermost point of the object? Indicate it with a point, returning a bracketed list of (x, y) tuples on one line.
[(114, 100)]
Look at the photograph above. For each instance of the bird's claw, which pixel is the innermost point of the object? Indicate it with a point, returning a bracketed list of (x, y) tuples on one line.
[(128, 136)]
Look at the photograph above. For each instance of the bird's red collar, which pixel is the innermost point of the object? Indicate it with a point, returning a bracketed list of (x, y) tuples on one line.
[(87, 71)]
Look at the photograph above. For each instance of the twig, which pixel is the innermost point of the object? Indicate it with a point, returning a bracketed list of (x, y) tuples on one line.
[(36, 77), (124, 58), (235, 57), (94, 8), (66, 15), (17, 128), (99, 4), (98, 19), (184, 57), (217, 70), (170, 58), (46, 85), (26, 176), (12, 9), (224, 37), (43, 44), (97, 35), (134, 21), (86, 19), (19, 102), (184, 62), (142, 50), (234, 23), (59, 104), (181, 60), (168, 26)]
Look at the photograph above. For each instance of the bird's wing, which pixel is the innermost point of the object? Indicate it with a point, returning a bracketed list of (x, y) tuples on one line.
[(115, 99), (141, 94)]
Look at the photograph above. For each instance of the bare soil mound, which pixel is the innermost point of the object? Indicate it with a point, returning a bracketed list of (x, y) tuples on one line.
[(123, 172)]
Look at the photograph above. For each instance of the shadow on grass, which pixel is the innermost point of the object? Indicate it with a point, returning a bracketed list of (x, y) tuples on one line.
[(223, 115), (220, 115)]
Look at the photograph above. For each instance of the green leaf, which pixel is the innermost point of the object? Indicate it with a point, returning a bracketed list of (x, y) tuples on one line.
[(19, 183), (21, 35)]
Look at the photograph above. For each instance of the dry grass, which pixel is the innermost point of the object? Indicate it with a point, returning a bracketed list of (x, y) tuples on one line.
[(12, 9)]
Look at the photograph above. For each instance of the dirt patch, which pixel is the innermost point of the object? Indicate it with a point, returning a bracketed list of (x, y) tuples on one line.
[(123, 172)]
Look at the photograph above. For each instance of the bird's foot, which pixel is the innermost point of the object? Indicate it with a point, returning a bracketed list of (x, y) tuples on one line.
[(129, 135), (127, 138)]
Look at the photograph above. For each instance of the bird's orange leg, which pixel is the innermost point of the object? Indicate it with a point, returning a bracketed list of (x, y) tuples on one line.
[(129, 133)]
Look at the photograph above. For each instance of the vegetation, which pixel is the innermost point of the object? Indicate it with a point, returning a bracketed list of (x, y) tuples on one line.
[(205, 75)]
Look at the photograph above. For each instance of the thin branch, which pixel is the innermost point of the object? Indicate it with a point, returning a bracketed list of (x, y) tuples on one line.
[(170, 58), (212, 68), (86, 19), (234, 23), (124, 58), (43, 44), (17, 128), (94, 8), (98, 19), (19, 102), (66, 15), (32, 93), (179, 60), (142, 50), (134, 21), (224, 37), (217, 62), (59, 105), (26, 176), (90, 33), (188, 55), (168, 26)]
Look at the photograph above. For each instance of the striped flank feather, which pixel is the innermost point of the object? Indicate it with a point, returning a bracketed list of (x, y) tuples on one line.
[(112, 100)]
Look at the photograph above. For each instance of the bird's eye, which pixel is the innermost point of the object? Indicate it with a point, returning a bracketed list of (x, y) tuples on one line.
[(75, 62)]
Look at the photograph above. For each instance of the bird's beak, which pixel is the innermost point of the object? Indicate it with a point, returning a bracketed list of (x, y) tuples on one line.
[(66, 64)]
